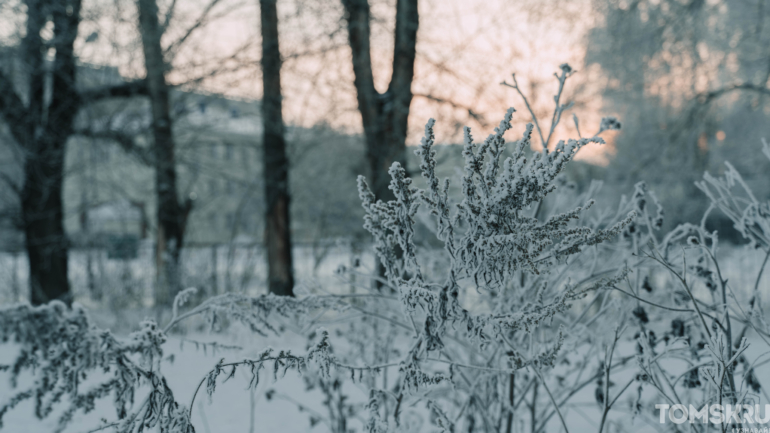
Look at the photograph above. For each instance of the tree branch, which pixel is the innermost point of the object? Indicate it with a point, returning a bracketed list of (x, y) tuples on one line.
[(202, 20), (471, 113), (123, 90), (404, 53), (357, 15), (8, 180), (705, 98), (125, 141), (13, 110)]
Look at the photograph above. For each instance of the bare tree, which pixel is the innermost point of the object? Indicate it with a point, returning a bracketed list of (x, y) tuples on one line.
[(277, 229), (384, 115), (40, 98), (683, 76), (41, 126), (171, 214)]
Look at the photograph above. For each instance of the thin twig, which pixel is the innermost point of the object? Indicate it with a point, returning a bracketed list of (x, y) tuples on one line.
[(556, 406)]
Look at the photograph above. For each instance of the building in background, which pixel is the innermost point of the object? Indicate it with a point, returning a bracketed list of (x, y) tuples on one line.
[(219, 157), (110, 180)]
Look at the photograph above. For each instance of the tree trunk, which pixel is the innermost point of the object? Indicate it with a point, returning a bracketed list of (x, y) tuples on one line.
[(276, 164), (171, 215), (384, 115), (42, 129), (41, 124)]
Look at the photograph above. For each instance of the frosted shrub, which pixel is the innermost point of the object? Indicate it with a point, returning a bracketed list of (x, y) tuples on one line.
[(499, 245), (706, 320), (462, 360), (731, 195), (63, 350), (540, 298), (691, 326)]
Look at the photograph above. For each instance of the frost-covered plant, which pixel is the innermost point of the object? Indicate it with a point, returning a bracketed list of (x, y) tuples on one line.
[(66, 352), (684, 310), (500, 247), (538, 298), (75, 363), (489, 236), (731, 195), (503, 245)]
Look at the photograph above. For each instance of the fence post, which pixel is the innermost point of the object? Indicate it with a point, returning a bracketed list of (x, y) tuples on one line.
[(214, 266), (16, 292)]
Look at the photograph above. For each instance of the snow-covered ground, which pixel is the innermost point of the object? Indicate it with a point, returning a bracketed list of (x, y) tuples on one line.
[(237, 268), (230, 409), (235, 408)]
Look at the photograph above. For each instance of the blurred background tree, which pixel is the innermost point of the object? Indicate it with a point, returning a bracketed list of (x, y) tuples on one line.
[(689, 79)]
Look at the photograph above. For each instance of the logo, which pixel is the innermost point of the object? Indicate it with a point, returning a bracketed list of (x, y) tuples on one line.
[(715, 413)]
